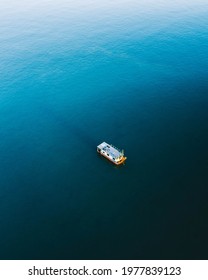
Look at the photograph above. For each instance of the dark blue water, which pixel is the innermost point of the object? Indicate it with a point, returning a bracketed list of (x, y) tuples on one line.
[(76, 73)]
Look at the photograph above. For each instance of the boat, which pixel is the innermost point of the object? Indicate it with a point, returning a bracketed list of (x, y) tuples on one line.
[(112, 153)]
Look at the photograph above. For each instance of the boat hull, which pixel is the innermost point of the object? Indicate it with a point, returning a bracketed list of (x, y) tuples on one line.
[(116, 163)]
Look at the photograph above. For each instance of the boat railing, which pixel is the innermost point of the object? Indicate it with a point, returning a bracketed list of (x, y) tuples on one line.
[(121, 151)]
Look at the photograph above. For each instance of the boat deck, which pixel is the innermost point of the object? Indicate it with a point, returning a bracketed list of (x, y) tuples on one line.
[(111, 153)]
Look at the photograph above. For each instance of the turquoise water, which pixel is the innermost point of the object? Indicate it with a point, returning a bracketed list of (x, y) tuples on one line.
[(76, 73)]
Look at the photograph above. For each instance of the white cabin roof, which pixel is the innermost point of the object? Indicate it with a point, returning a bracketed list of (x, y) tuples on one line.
[(110, 150)]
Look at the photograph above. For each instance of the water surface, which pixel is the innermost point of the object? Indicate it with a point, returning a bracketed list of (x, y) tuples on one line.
[(76, 73)]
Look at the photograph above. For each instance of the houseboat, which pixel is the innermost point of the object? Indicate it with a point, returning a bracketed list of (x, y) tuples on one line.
[(111, 153)]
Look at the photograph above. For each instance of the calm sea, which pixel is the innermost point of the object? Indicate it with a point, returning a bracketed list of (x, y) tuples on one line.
[(76, 73)]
